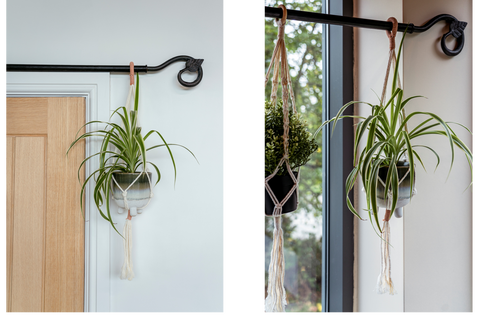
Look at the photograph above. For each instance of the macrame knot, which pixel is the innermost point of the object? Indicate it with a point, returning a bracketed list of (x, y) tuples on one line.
[(389, 199), (124, 194), (281, 31), (277, 210)]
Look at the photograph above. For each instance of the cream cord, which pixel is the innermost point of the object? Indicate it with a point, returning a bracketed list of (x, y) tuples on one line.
[(276, 299), (127, 268), (384, 281)]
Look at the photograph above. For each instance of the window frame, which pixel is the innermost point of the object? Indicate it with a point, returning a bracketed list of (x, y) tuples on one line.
[(338, 237)]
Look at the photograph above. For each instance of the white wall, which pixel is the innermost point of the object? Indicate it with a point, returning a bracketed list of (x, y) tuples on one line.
[(178, 240), (431, 261), (438, 224)]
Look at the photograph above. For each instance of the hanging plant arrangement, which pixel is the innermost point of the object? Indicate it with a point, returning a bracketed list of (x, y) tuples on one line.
[(386, 165), (288, 146), (123, 173), (301, 145)]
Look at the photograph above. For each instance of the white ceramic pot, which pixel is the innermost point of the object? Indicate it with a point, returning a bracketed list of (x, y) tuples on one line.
[(137, 196)]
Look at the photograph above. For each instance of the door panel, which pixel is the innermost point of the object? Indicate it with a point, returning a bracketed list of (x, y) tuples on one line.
[(10, 191), (28, 225), (45, 228), (27, 116)]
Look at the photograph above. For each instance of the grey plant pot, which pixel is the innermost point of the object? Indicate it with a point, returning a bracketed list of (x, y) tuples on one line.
[(137, 196), (403, 189)]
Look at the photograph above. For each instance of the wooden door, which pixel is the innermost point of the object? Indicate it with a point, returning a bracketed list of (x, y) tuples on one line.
[(45, 227)]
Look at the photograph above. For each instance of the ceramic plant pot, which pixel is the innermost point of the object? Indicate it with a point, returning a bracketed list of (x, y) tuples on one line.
[(137, 196), (281, 185), (403, 188)]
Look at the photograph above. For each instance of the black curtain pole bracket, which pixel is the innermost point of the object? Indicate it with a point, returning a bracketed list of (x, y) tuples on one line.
[(456, 26), (191, 65)]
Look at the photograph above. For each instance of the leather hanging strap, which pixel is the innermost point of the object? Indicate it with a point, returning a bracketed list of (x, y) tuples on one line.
[(391, 59), (131, 90), (132, 70), (391, 34)]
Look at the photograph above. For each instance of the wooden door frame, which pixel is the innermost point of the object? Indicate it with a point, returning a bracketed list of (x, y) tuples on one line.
[(95, 88)]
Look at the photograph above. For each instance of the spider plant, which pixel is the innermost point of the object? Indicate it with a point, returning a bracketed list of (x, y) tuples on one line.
[(389, 141), (122, 150)]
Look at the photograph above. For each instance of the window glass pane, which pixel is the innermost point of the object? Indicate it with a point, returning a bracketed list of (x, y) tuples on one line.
[(303, 228)]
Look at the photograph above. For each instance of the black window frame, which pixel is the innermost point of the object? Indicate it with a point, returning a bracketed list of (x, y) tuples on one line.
[(338, 237)]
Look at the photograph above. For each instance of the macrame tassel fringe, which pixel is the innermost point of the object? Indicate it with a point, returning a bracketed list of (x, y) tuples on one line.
[(384, 282), (127, 268), (276, 296)]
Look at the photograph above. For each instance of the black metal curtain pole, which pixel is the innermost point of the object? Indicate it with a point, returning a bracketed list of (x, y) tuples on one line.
[(456, 27), (191, 65)]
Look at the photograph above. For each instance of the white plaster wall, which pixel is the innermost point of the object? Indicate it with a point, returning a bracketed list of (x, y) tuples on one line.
[(431, 260), (178, 240), (438, 224)]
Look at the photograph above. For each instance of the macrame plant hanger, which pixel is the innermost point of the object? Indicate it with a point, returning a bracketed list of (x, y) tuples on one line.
[(384, 281), (127, 268), (276, 296)]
